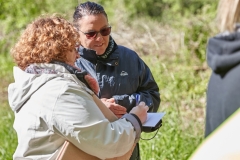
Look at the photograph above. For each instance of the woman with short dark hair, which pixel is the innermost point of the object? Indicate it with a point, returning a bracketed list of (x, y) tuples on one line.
[(122, 75)]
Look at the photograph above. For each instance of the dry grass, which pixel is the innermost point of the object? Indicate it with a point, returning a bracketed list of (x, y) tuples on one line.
[(3, 90), (148, 37)]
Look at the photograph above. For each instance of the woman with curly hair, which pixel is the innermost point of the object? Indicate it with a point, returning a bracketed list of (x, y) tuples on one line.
[(54, 101)]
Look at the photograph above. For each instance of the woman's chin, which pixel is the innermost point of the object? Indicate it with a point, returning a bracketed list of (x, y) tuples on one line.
[(99, 53)]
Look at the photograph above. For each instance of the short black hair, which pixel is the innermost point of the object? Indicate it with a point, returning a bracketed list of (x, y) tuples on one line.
[(87, 8)]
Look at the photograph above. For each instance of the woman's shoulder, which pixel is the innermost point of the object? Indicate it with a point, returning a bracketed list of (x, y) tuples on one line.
[(63, 82), (125, 51)]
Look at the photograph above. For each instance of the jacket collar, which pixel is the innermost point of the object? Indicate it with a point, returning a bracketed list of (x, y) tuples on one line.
[(90, 55)]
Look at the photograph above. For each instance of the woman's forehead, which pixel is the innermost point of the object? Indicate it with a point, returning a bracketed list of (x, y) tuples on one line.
[(97, 21)]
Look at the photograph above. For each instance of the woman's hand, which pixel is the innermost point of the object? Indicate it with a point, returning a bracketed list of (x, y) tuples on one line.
[(141, 111), (117, 109)]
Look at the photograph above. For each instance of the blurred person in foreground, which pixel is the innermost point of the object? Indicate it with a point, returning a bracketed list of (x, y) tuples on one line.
[(223, 95), (122, 75), (52, 102), (223, 143), (223, 57)]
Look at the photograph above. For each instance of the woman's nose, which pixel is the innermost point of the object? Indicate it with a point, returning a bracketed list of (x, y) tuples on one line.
[(99, 37)]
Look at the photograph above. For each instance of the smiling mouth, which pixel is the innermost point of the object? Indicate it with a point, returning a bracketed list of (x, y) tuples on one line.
[(100, 45)]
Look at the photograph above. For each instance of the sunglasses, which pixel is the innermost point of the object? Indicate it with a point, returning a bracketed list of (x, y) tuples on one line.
[(93, 34)]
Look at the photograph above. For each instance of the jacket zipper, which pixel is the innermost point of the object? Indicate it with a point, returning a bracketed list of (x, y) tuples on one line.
[(96, 67)]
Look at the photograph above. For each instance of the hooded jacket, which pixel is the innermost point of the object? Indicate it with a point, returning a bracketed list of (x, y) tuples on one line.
[(122, 75), (223, 93), (52, 106)]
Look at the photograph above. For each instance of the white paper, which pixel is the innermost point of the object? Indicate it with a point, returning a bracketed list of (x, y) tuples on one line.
[(153, 119)]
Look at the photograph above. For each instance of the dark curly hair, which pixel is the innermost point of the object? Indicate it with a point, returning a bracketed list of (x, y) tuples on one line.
[(45, 40)]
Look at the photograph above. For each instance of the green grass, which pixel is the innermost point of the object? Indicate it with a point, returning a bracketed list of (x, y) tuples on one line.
[(182, 88), (8, 137)]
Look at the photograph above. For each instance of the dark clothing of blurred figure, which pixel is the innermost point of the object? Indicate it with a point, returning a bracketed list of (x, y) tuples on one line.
[(223, 94)]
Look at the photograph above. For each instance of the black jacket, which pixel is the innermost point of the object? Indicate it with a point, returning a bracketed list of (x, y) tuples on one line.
[(122, 76), (223, 94)]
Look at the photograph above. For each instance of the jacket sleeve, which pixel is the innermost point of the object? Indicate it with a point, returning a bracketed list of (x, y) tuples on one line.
[(147, 90), (78, 119)]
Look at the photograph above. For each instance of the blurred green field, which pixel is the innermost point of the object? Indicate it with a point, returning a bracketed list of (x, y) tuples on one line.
[(172, 45), (8, 139)]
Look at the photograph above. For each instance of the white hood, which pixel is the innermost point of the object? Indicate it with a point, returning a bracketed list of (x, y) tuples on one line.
[(26, 84), (62, 109)]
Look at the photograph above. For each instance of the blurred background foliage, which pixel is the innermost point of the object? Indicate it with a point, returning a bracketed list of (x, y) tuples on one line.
[(169, 35), (193, 17)]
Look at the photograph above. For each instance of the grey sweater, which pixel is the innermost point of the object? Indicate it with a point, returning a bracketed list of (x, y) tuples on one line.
[(223, 93)]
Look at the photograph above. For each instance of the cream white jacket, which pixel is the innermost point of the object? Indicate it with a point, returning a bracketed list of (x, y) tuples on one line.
[(52, 108)]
